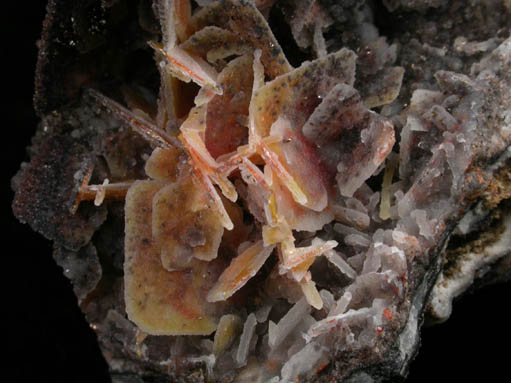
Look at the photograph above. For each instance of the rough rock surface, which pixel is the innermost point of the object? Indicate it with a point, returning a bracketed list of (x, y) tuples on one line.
[(462, 60)]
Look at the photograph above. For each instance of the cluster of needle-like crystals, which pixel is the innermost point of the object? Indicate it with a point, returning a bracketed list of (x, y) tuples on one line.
[(282, 222), (293, 147)]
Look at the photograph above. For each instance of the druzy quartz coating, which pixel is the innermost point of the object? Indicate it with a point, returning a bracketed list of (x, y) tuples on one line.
[(279, 220)]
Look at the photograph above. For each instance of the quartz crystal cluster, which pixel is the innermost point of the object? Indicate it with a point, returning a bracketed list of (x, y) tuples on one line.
[(277, 222)]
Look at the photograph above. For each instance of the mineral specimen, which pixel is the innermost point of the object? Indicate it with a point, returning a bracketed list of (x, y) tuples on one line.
[(228, 214)]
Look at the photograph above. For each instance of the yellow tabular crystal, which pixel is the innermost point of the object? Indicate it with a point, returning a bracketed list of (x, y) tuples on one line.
[(184, 226), (158, 301)]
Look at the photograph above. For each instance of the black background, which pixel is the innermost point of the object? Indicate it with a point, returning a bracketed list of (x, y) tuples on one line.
[(48, 339)]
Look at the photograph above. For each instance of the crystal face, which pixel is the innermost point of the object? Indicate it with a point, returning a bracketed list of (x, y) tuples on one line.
[(268, 222)]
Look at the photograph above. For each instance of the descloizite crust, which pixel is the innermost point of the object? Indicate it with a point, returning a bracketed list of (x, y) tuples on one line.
[(239, 200)]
